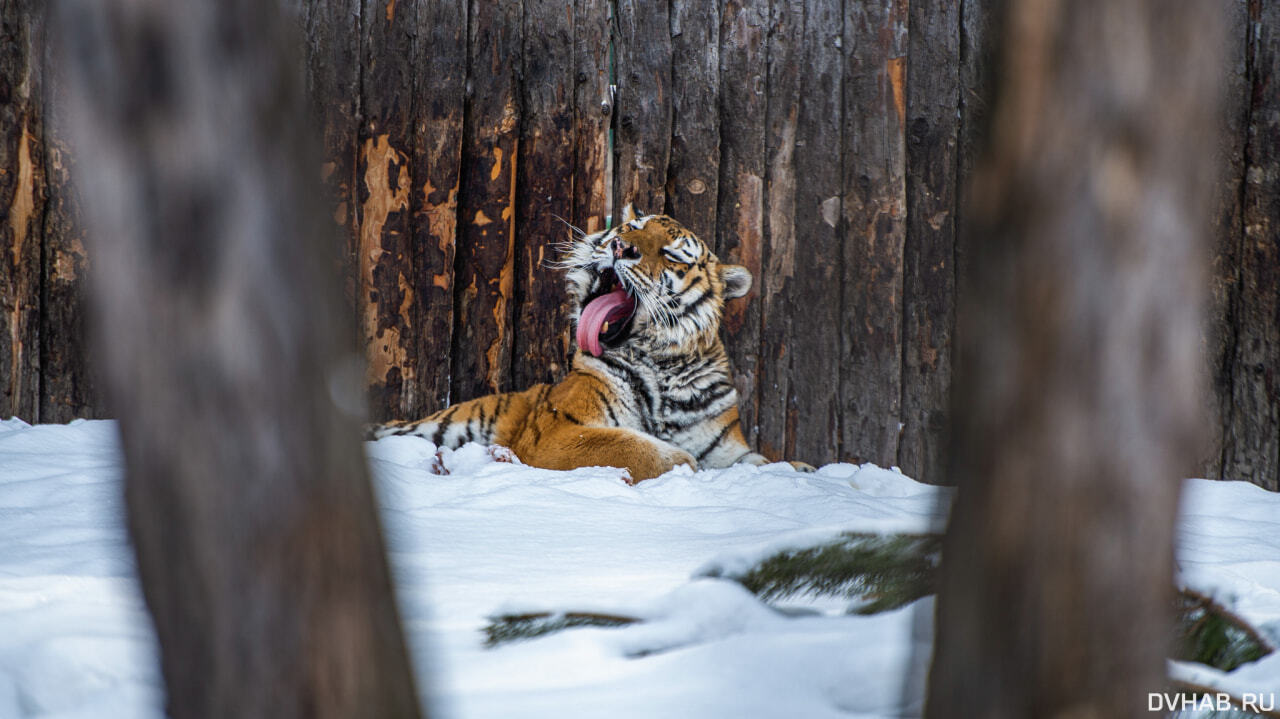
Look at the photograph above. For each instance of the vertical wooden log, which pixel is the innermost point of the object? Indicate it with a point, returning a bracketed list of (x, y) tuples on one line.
[(740, 216), (1253, 440), (813, 293), (1221, 332), (875, 103), (249, 503), (799, 416), (593, 114), (68, 384), (929, 279), (387, 296), (439, 91), (544, 193), (979, 52), (333, 98), (22, 197), (785, 37), (693, 176), (1077, 407), (642, 139), (487, 220)]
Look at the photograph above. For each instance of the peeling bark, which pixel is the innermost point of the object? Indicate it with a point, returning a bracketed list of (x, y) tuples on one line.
[(482, 341), (22, 197), (439, 92), (544, 194), (387, 297)]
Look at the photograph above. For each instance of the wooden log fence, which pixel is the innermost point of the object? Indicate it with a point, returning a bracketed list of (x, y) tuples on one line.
[(825, 144)]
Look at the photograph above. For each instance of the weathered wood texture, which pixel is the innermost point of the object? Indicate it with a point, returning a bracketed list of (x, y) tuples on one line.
[(1221, 333), (642, 145), (979, 46), (1252, 442), (67, 383), (832, 160), (809, 279), (544, 200), (1077, 376), (875, 213), (929, 280), (693, 174), (22, 195), (386, 298), (485, 260), (226, 353), (740, 222), (332, 57), (591, 184), (439, 82), (786, 28)]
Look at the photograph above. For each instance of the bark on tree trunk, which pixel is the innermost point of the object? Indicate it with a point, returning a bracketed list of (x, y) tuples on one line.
[(1077, 381), (220, 325), (22, 207)]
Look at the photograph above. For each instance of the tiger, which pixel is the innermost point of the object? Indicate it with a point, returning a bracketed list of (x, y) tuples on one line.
[(650, 387)]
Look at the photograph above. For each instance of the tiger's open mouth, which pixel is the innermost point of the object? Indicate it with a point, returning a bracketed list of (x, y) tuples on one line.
[(606, 316)]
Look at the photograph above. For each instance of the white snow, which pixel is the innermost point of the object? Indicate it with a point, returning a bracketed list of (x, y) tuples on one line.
[(493, 537)]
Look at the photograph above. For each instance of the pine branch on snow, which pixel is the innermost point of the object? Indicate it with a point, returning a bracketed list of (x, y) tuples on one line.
[(881, 572), (1210, 634), (504, 628)]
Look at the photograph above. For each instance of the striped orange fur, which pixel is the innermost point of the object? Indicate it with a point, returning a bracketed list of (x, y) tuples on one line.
[(658, 394)]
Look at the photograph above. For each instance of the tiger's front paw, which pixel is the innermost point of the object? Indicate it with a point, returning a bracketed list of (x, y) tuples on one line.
[(802, 466), (677, 457), (663, 460)]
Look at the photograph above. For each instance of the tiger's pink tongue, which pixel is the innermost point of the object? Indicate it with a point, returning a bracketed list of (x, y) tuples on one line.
[(616, 305)]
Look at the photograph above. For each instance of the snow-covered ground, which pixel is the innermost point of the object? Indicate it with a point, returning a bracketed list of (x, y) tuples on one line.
[(493, 538)]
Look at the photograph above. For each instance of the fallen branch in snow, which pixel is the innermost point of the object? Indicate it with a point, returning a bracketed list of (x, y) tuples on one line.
[(513, 627), (882, 571), (1211, 634)]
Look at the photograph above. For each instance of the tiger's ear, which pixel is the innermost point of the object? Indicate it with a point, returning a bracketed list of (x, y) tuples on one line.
[(736, 279), (628, 213)]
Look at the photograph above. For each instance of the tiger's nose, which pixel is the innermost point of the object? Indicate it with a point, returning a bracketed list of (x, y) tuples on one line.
[(624, 250)]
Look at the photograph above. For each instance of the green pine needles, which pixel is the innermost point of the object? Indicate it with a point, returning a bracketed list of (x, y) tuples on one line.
[(512, 627), (1210, 634), (879, 572)]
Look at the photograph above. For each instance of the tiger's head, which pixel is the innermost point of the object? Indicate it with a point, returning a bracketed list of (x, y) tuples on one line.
[(651, 284)]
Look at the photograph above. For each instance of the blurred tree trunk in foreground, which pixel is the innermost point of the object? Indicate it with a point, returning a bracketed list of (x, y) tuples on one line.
[(1077, 385), (248, 500)]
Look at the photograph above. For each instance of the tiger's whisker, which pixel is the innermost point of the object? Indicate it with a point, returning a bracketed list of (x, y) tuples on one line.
[(575, 229)]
